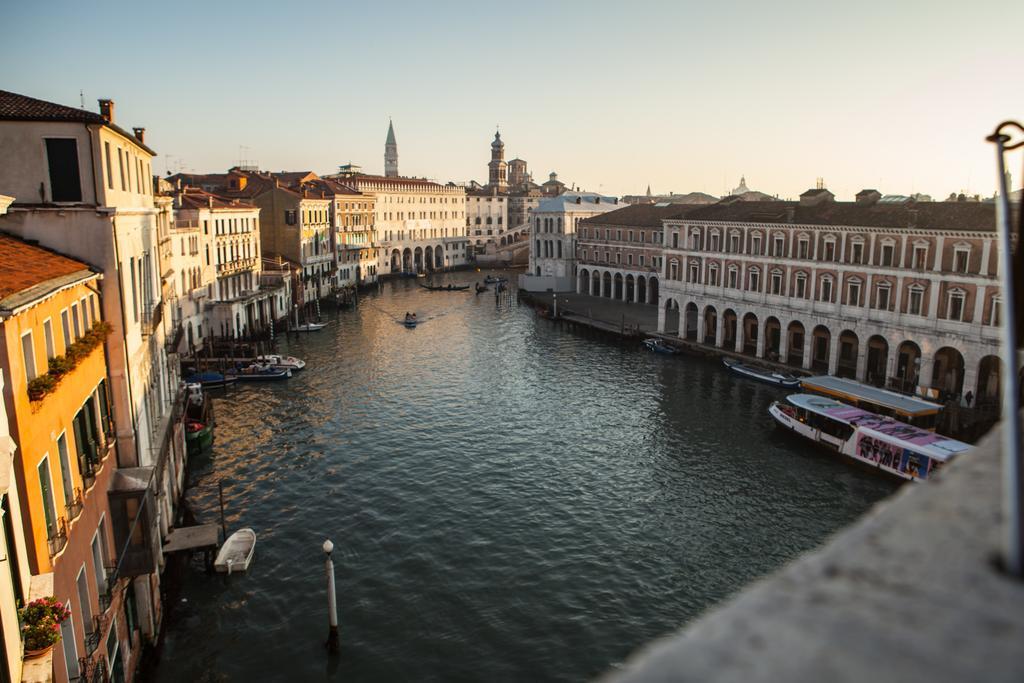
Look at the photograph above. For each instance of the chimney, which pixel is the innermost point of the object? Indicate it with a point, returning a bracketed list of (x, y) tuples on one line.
[(209, 202), (579, 199), (107, 110), (597, 199), (868, 197), (140, 133)]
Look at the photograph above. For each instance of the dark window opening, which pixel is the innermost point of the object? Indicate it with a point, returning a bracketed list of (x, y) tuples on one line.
[(62, 158)]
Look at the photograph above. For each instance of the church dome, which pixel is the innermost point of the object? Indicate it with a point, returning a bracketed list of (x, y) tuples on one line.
[(497, 144)]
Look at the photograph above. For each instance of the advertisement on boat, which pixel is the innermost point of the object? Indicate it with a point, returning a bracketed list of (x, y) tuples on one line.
[(885, 454)]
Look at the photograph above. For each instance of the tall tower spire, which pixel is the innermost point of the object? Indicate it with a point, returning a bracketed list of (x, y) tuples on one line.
[(496, 169), (391, 153)]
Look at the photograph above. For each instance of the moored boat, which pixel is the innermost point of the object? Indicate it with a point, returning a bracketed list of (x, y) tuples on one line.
[(761, 374), (210, 379), (236, 553), (198, 419), (880, 442), (309, 327), (659, 346), (281, 362), (260, 372), (445, 288), (493, 279)]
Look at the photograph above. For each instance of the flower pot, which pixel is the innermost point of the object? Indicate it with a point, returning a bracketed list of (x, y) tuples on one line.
[(31, 654)]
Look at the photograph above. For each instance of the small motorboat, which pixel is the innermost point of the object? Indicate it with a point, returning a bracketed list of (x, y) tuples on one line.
[(209, 379), (762, 374), (281, 362), (659, 346), (198, 419), (410, 320), (261, 372), (493, 279), (309, 327), (236, 553)]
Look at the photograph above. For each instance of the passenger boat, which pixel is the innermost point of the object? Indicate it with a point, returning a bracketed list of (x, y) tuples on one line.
[(281, 362), (210, 379), (236, 553), (445, 288), (880, 442), (659, 346), (309, 327), (259, 372), (910, 409), (761, 374)]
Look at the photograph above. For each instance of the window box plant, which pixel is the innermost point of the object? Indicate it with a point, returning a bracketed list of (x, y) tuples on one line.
[(40, 625)]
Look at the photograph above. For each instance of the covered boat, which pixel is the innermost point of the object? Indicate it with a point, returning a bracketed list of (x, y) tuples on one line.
[(281, 362), (209, 379), (236, 553), (659, 346), (762, 374), (879, 442)]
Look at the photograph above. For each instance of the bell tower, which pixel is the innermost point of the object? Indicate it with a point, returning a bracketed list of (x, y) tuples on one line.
[(496, 169), (391, 153)]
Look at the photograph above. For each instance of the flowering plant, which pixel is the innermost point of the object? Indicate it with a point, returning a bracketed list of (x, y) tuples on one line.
[(41, 620)]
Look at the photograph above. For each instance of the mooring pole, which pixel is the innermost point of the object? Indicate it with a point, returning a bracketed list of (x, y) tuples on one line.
[(220, 494), (332, 601)]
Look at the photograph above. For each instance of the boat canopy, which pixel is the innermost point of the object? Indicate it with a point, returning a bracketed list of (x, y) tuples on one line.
[(907, 436), (850, 390)]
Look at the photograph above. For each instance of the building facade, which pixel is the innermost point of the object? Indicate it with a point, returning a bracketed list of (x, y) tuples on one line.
[(902, 295), (553, 239)]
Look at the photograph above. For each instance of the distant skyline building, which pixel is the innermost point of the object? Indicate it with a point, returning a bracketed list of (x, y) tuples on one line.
[(391, 153)]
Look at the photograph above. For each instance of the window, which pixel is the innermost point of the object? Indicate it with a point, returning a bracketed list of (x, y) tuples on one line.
[(780, 246), (675, 240), (46, 489), (74, 321), (66, 325), (67, 632), (776, 282), (853, 292), (86, 323), (673, 270), (694, 272), (734, 242), (629, 259), (830, 250), (135, 296), (641, 259), (995, 313), (29, 356), (713, 275), (714, 241), (919, 260), (110, 167), (956, 304), (120, 166), (48, 336), (99, 562), (801, 285), (62, 159), (961, 259), (826, 288), (755, 244), (915, 299), (82, 583), (884, 290), (857, 252), (804, 247), (755, 279), (734, 277), (888, 251)]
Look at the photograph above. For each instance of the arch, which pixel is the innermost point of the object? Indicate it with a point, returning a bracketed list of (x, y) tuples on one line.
[(617, 294), (750, 329), (438, 256), (849, 349), (908, 367), (729, 328), (641, 289), (538, 271), (396, 260), (795, 334), (671, 316), (429, 257), (503, 241), (417, 258), (710, 325), (407, 260), (877, 361), (583, 286), (606, 284), (948, 372), (690, 318), (630, 288), (821, 342), (986, 394), (595, 283), (652, 290), (772, 337)]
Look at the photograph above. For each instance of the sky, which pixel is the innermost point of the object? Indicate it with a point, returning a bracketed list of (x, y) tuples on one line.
[(614, 96)]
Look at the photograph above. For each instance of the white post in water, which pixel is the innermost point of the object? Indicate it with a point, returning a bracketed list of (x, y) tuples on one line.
[(332, 601), (554, 299)]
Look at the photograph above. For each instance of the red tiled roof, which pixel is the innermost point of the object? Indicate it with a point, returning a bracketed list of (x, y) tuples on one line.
[(643, 215), (15, 107), (195, 198), (24, 265)]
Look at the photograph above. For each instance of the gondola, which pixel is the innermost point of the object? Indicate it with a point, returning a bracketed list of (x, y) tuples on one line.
[(445, 288), (780, 379)]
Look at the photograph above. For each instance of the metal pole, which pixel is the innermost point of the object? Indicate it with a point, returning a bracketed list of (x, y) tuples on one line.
[(220, 494), (1013, 468), (554, 298), (332, 601)]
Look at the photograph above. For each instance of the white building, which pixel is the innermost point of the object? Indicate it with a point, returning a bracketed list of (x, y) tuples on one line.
[(553, 239)]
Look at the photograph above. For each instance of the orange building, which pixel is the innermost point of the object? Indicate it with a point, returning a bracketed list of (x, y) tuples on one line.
[(52, 353)]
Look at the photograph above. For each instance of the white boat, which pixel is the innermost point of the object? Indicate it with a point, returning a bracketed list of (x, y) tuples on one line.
[(281, 362), (876, 441), (236, 553), (782, 379), (309, 327), (659, 346)]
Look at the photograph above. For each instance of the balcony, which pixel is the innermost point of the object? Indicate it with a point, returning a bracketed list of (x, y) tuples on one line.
[(57, 538), (74, 508), (92, 670), (236, 265), (133, 515), (152, 313)]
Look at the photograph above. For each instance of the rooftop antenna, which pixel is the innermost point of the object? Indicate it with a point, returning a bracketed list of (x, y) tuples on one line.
[(81, 99)]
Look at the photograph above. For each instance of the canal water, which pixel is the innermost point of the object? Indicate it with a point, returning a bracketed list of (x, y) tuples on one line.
[(508, 500)]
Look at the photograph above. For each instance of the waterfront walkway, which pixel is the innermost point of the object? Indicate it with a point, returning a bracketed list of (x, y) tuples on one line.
[(613, 314)]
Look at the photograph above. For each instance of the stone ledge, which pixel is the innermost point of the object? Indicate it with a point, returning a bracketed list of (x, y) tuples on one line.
[(908, 593)]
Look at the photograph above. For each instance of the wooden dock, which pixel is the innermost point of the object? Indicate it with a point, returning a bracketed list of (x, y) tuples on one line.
[(203, 538)]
